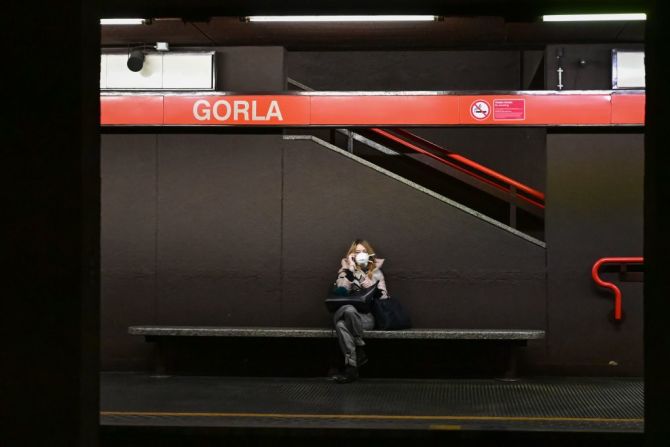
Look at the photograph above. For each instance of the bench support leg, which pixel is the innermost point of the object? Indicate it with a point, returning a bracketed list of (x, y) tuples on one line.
[(159, 359), (512, 358), (512, 363)]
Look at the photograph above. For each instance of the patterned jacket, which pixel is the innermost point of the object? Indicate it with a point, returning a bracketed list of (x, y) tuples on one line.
[(352, 278)]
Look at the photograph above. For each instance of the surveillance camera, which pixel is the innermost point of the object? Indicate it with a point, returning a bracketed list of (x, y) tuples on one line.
[(135, 60)]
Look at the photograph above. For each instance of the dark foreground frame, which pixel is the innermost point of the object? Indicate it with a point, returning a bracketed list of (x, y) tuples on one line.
[(52, 206)]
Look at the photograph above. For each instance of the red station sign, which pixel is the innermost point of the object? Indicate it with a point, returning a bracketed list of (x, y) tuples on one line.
[(374, 109)]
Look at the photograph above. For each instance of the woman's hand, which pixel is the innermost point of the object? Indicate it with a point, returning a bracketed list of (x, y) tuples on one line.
[(348, 263), (367, 282), (351, 261)]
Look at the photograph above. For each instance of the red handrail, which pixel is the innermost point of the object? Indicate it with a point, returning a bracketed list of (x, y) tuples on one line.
[(609, 285), (466, 161), (460, 168)]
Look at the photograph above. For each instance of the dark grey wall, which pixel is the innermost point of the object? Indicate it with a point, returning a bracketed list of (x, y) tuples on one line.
[(594, 210), (128, 244), (249, 230), (406, 70), (190, 233), (250, 69), (219, 211)]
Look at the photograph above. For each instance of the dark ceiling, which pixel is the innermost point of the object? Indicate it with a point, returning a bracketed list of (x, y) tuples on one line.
[(450, 33), (512, 10)]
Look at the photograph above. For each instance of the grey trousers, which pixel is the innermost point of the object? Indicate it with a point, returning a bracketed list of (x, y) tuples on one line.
[(349, 327)]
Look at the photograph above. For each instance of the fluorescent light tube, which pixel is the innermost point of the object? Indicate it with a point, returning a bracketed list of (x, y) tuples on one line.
[(122, 21), (374, 18), (592, 17)]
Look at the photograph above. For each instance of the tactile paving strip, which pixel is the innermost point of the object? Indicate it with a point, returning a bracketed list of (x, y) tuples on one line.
[(591, 404)]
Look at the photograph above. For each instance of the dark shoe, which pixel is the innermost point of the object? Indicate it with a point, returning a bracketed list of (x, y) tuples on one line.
[(361, 357), (349, 375)]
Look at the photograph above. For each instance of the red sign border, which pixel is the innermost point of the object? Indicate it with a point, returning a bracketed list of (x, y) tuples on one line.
[(407, 109)]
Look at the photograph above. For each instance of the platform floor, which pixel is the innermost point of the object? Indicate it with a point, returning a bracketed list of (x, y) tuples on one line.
[(533, 404)]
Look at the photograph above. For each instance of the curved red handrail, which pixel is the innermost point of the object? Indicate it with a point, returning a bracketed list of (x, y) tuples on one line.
[(455, 166), (609, 285)]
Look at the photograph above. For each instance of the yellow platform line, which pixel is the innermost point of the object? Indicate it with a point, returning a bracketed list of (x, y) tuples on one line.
[(444, 427), (372, 417)]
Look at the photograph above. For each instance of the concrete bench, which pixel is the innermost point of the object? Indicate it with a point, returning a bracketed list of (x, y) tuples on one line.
[(513, 339)]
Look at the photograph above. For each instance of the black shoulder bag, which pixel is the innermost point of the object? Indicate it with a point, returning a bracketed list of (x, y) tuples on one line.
[(390, 315), (362, 300)]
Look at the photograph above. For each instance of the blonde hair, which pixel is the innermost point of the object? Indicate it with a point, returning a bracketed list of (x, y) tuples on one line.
[(372, 265)]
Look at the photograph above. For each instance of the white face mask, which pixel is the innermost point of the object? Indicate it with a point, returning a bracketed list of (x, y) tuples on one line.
[(362, 259)]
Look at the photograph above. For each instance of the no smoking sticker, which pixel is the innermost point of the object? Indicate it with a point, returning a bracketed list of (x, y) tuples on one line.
[(480, 109)]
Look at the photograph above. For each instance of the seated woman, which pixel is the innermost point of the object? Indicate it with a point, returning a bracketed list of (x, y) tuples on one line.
[(360, 269)]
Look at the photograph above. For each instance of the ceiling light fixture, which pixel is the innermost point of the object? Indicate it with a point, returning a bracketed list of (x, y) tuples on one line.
[(122, 21), (593, 17), (373, 18)]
